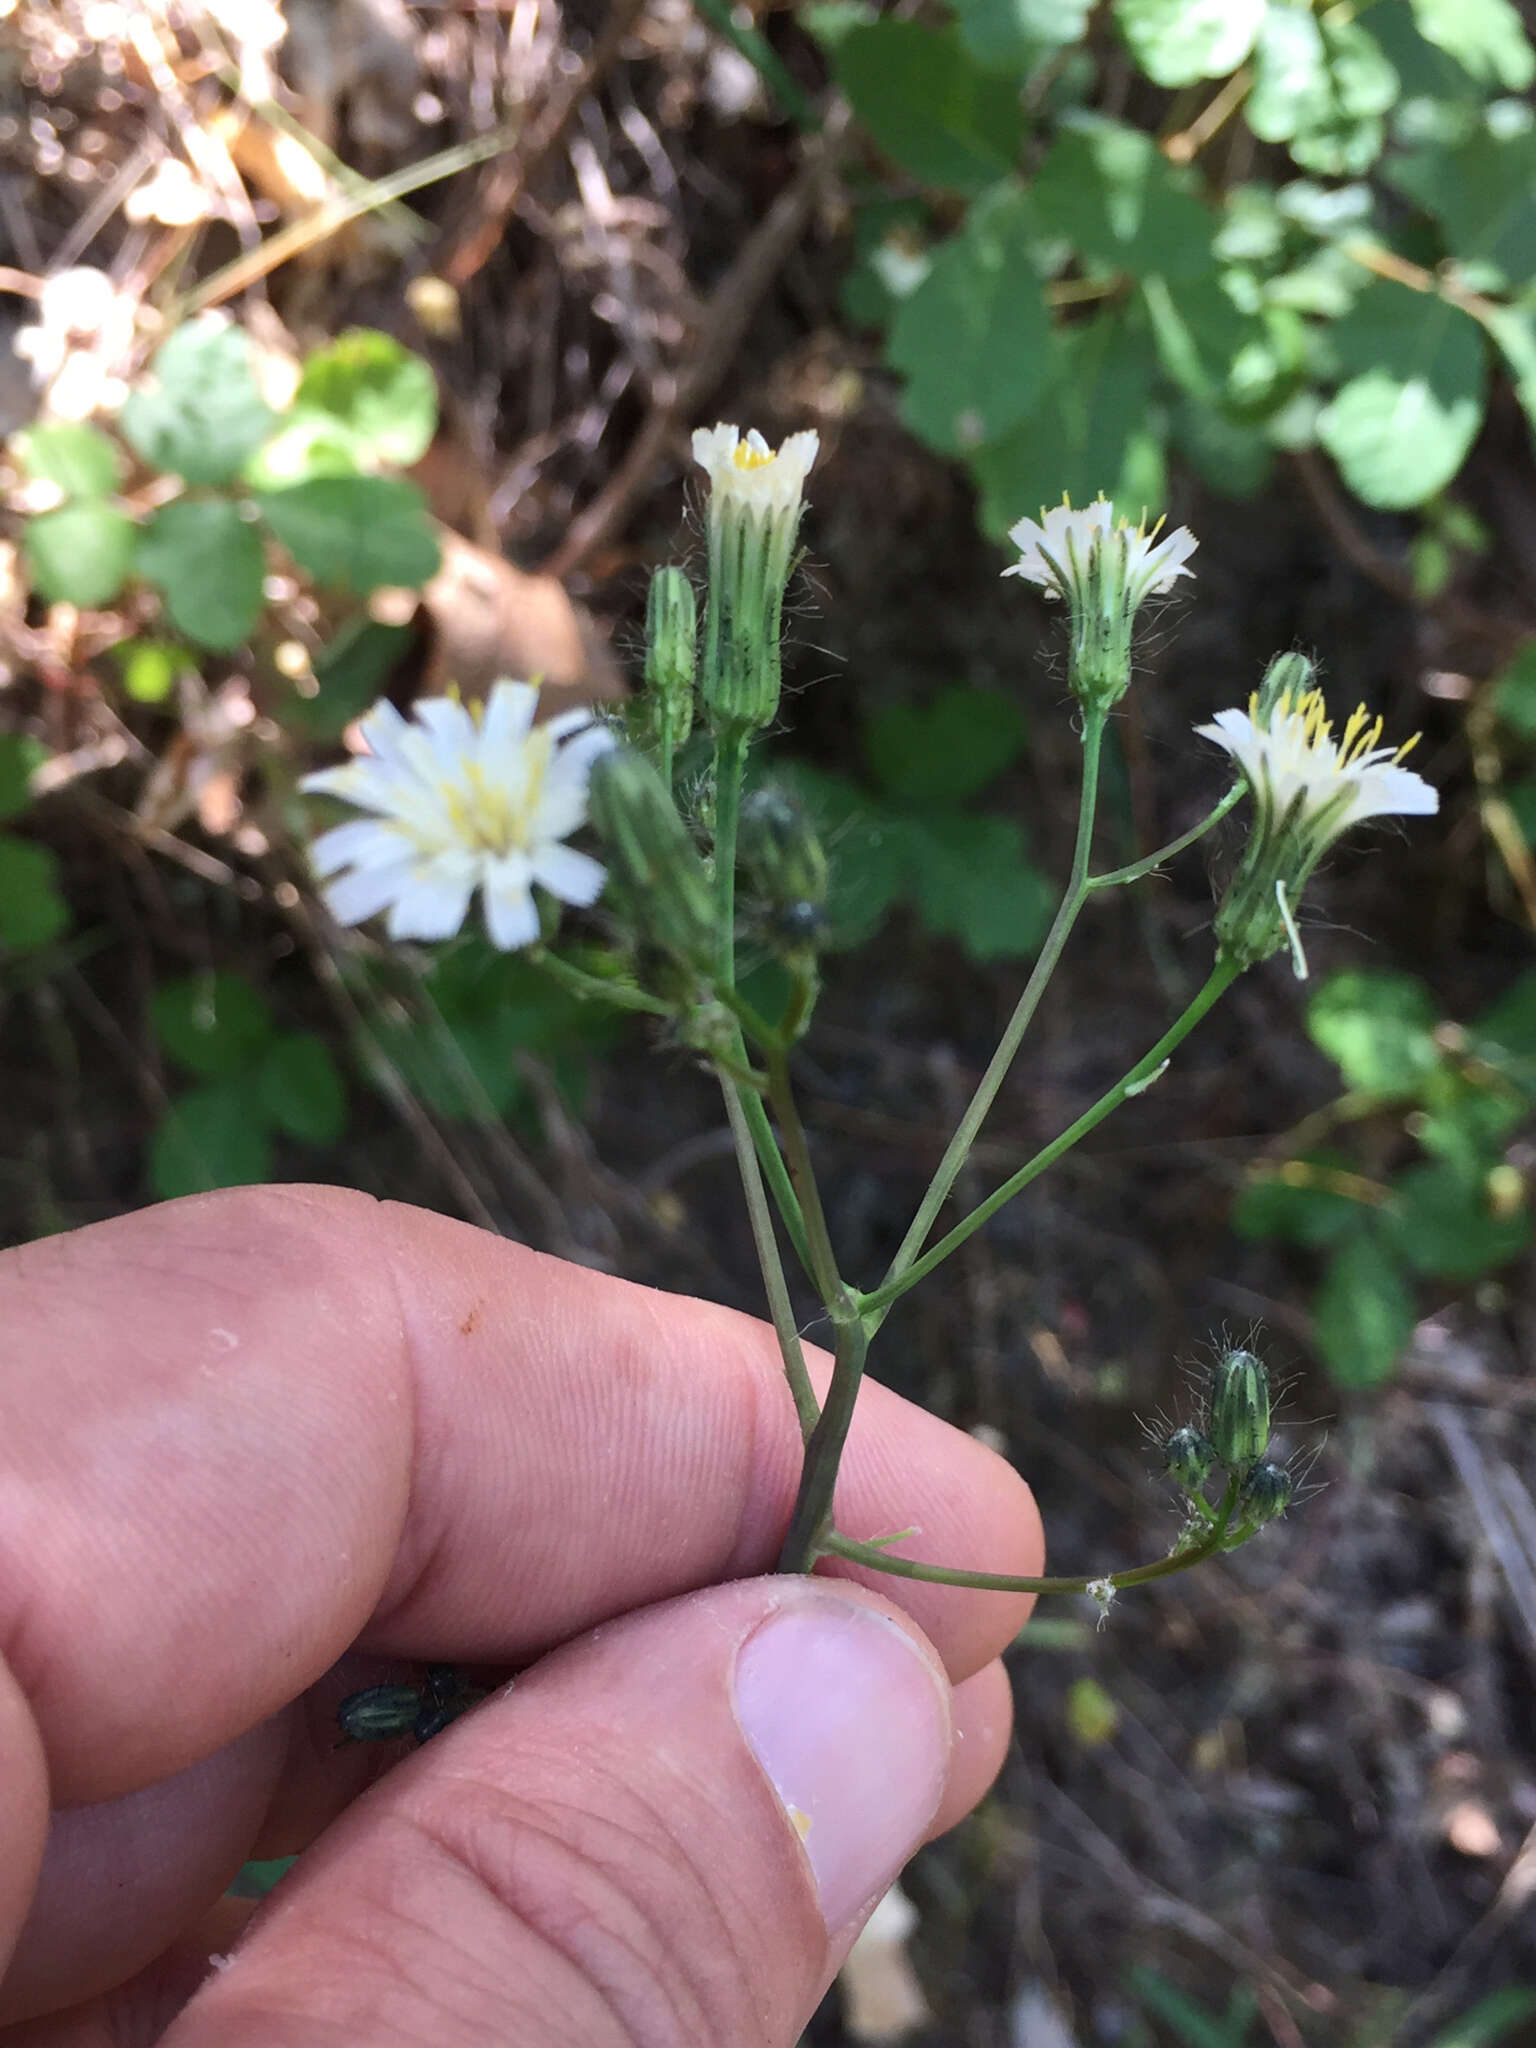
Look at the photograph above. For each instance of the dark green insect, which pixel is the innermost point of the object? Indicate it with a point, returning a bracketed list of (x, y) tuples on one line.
[(392, 1713)]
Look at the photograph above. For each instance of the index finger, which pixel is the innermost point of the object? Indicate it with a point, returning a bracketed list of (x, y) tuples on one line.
[(241, 1431)]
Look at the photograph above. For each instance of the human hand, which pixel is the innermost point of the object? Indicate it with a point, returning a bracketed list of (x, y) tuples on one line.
[(249, 1441)]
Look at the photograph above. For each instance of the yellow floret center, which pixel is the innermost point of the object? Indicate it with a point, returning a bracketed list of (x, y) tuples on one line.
[(746, 456), (1361, 734)]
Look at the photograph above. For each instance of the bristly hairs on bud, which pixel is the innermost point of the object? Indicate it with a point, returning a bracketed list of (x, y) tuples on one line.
[(671, 661), (657, 871)]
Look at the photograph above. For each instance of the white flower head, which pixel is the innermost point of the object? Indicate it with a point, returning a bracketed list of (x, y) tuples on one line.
[(1308, 788), (1063, 551), (1104, 569), (745, 472), (462, 799), (1291, 759), (756, 497)]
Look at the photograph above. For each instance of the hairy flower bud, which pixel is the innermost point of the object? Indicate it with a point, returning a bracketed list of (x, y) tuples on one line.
[(1190, 1458), (1288, 678), (671, 655), (654, 864), (1237, 1420), (782, 852), (1263, 1497)]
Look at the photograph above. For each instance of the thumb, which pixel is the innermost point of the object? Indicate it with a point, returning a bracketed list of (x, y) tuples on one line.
[(667, 1833)]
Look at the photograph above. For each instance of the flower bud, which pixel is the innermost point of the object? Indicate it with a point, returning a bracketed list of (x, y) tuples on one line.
[(1288, 678), (671, 654), (1238, 1418), (654, 864), (1190, 1458), (782, 853), (1263, 1497)]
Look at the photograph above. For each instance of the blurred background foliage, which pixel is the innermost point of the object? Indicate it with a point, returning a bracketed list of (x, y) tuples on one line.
[(350, 347)]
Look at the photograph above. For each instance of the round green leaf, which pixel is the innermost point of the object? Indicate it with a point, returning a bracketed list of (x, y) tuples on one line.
[(1441, 1224), (972, 339), (928, 104), (215, 1024), (79, 459), (32, 912), (1486, 37), (974, 881), (209, 1139), (1009, 35), (1177, 41), (150, 668), (203, 415), (301, 1090), (355, 532), (20, 754), (1364, 1313), (947, 751), (1107, 189), (1378, 1027), (80, 554), (1400, 429), (207, 560), (385, 397)]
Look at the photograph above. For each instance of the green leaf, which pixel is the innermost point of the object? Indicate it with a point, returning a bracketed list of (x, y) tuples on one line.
[(1296, 1204), (1486, 37), (207, 560), (946, 751), (1491, 2020), (150, 668), (209, 1138), (1514, 692), (928, 104), (80, 554), (1378, 1028), (1200, 332), (869, 851), (355, 532), (1441, 1223), (79, 459), (351, 673), (1364, 1313), (1483, 193), (1011, 35), (1320, 86), (384, 396), (1178, 41), (974, 881), (32, 911), (204, 415), (1114, 196), (1401, 428), (20, 755), (478, 1010), (972, 339), (215, 1024), (1506, 1031), (1084, 434), (300, 1089)]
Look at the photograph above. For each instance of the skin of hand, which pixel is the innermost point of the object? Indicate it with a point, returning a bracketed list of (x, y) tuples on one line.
[(258, 1447)]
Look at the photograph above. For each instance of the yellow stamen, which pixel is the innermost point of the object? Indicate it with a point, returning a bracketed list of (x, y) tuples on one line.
[(1408, 746), (748, 457)]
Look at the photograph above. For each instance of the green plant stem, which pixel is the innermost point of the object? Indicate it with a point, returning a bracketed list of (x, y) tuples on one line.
[(1220, 979), (877, 1558), (810, 1525), (764, 59), (812, 1517), (1144, 866), (730, 765), (776, 1173), (966, 1132), (593, 988), (807, 1408)]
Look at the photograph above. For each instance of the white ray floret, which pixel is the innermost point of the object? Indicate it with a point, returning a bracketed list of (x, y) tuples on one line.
[(1064, 552), (462, 799), (745, 473), (1295, 766)]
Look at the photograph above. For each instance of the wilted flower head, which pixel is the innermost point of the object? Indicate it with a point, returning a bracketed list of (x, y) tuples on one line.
[(463, 799), (1104, 569), (1308, 788), (756, 497)]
